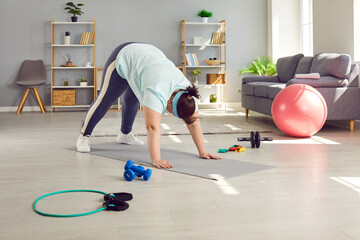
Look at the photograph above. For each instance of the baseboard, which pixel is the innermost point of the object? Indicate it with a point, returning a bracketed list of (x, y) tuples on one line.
[(234, 105), (37, 109), (229, 105), (25, 109)]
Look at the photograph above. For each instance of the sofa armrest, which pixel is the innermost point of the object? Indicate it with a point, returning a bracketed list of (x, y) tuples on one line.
[(354, 75), (324, 81), (256, 78)]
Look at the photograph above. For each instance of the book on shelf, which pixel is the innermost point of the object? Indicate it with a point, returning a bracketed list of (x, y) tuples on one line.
[(188, 62), (82, 38), (91, 38), (87, 38), (217, 38), (196, 60), (191, 59)]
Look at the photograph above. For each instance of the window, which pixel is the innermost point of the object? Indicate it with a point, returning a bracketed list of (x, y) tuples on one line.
[(356, 30), (306, 22)]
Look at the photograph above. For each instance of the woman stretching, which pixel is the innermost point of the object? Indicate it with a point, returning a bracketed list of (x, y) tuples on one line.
[(145, 76)]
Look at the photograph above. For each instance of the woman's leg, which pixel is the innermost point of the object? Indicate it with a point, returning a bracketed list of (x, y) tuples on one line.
[(129, 110), (112, 87)]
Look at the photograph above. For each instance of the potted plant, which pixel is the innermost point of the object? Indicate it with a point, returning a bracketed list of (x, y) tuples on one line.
[(195, 73), (204, 15), (213, 98), (74, 9), (83, 82), (260, 66)]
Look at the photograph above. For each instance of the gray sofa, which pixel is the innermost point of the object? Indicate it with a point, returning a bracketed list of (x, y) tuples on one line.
[(338, 84)]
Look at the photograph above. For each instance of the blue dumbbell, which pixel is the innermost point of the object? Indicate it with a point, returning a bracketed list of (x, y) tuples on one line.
[(131, 171), (142, 171), (129, 175)]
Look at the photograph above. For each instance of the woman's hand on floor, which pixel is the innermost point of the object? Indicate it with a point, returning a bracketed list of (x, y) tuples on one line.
[(209, 156), (161, 164)]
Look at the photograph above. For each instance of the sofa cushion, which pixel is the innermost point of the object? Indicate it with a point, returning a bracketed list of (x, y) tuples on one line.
[(304, 65), (257, 78), (247, 89), (263, 89), (255, 88), (274, 89), (286, 67), (332, 64), (260, 90), (325, 81)]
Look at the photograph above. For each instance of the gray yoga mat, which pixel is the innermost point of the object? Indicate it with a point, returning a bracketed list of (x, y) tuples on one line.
[(183, 162)]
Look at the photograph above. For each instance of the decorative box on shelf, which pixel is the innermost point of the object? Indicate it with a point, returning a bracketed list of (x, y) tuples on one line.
[(64, 97), (215, 78)]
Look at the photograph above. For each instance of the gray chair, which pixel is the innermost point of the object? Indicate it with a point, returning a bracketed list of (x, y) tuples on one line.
[(32, 75)]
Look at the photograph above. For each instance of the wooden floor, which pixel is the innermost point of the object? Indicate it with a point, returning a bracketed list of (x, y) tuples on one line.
[(313, 193)]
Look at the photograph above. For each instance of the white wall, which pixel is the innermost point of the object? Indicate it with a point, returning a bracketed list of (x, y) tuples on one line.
[(333, 26), (356, 14), (336, 27), (284, 28), (25, 33)]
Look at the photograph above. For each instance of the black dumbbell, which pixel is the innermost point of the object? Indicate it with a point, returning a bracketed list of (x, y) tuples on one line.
[(255, 139)]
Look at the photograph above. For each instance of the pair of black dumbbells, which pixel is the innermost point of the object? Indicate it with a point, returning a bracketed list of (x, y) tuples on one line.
[(255, 139)]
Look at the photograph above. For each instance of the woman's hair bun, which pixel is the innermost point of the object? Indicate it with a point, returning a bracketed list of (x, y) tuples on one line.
[(193, 91)]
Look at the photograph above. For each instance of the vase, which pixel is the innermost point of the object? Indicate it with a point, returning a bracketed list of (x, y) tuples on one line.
[(83, 84), (195, 81), (67, 40), (204, 19), (74, 19)]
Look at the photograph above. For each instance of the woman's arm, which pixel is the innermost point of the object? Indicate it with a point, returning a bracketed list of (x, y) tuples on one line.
[(198, 138), (152, 123)]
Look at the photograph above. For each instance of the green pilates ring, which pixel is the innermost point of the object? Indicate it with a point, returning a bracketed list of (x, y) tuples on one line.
[(68, 215)]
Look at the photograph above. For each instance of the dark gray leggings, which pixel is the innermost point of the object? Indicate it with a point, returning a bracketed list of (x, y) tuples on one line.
[(112, 87)]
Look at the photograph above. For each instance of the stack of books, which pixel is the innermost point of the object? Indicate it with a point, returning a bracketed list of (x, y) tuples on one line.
[(191, 59), (87, 38), (217, 38)]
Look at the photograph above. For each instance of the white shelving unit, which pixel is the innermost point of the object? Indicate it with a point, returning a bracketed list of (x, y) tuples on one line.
[(73, 23), (73, 45), (188, 47), (72, 68), (204, 45), (70, 107), (56, 67), (71, 87), (203, 66)]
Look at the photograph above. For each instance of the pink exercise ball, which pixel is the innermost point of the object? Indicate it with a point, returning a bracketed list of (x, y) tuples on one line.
[(299, 110)]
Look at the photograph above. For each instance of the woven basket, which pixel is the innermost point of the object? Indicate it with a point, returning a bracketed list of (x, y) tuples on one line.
[(63, 97)]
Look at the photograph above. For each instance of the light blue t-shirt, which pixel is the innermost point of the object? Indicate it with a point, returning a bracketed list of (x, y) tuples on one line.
[(151, 76)]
